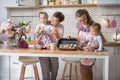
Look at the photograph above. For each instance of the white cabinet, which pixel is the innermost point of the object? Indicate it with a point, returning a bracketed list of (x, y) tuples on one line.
[(118, 1), (108, 1), (28, 2), (13, 3), (114, 62), (15, 69), (4, 68), (117, 51)]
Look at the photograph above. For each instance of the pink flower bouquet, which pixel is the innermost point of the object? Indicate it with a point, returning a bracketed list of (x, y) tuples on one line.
[(10, 28), (15, 31)]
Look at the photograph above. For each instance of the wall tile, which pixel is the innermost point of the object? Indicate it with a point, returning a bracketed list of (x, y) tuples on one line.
[(70, 21)]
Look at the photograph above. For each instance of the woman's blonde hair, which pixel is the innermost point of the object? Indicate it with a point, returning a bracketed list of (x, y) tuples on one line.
[(96, 26)]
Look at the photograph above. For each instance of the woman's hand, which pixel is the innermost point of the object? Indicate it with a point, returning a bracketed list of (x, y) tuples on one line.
[(88, 48)]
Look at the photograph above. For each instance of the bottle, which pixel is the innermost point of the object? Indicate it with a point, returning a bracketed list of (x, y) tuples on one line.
[(44, 2), (51, 2)]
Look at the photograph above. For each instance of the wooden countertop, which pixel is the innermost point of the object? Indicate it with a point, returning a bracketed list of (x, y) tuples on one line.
[(32, 51), (117, 44)]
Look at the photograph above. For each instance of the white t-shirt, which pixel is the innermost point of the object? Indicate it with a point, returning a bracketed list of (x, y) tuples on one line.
[(60, 29), (97, 38)]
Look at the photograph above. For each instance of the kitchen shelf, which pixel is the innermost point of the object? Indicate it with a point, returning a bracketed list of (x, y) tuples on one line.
[(68, 5), (55, 6), (108, 5)]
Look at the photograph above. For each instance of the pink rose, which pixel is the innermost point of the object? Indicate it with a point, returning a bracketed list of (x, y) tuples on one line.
[(19, 30), (10, 33)]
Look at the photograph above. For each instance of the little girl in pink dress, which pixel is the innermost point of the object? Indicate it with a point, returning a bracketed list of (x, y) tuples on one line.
[(42, 32)]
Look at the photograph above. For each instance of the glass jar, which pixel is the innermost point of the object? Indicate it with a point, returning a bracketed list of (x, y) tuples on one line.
[(13, 41), (51, 2)]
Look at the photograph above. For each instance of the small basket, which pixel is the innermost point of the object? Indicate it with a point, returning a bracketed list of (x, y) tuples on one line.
[(67, 44)]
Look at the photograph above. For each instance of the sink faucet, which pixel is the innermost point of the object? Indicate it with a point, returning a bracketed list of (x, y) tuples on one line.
[(116, 35)]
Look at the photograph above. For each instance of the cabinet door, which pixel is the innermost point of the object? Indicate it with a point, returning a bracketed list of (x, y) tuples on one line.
[(15, 68), (118, 65), (107, 1), (12, 3), (118, 1), (112, 63), (4, 68), (98, 69)]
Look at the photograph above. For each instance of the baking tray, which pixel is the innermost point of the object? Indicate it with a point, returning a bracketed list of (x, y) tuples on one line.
[(67, 44)]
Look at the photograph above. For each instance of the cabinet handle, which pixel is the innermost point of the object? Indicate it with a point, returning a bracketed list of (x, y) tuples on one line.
[(118, 51), (15, 62), (114, 50)]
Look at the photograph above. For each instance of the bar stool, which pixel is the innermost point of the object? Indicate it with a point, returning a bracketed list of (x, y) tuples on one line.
[(70, 61), (29, 61)]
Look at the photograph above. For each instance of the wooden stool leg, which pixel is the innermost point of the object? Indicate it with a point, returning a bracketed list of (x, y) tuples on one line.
[(75, 72), (22, 72), (70, 71), (36, 72), (65, 66)]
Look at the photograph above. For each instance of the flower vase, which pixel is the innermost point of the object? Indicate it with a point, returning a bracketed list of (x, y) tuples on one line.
[(13, 41)]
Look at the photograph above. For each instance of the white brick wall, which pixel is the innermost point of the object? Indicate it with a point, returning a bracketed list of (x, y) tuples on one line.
[(27, 14), (96, 13)]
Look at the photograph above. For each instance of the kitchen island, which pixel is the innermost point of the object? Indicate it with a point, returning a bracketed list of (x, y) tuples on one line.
[(59, 53)]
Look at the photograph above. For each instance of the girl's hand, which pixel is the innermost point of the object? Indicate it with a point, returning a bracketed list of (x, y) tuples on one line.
[(37, 40), (90, 48), (40, 31)]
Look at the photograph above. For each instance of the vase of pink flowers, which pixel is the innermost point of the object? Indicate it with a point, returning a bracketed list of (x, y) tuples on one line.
[(15, 31)]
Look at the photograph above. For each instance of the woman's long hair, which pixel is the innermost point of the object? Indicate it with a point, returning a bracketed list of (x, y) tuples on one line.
[(82, 12)]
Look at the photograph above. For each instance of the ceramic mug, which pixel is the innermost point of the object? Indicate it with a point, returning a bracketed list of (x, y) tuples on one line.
[(52, 46)]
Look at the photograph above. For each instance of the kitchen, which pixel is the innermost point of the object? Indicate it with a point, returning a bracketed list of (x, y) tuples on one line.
[(98, 13)]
